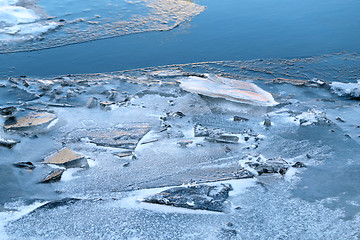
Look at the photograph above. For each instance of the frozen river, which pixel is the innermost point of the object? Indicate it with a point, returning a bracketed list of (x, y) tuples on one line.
[(171, 119)]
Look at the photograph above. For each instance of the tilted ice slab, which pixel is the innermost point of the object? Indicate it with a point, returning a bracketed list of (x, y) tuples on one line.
[(230, 89)]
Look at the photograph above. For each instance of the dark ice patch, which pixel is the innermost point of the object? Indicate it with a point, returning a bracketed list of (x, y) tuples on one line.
[(203, 197)]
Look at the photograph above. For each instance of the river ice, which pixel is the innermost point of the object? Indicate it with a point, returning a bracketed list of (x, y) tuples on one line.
[(140, 136)]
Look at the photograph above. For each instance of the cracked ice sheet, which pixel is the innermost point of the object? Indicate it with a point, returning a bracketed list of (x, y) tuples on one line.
[(265, 212)]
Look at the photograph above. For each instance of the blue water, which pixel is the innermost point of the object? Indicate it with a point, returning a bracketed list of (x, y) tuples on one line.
[(227, 30)]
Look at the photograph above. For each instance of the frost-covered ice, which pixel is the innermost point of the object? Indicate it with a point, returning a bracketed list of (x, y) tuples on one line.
[(346, 89), (320, 201), (16, 211), (51, 23)]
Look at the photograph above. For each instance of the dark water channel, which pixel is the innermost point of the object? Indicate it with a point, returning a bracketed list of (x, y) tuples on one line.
[(227, 30)]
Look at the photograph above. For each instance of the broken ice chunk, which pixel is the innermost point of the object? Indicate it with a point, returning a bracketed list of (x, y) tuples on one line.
[(26, 165), (262, 165), (346, 89), (230, 89), (9, 143), (8, 111), (126, 136), (202, 197), (167, 73), (67, 158), (54, 176), (33, 120), (223, 138), (313, 117)]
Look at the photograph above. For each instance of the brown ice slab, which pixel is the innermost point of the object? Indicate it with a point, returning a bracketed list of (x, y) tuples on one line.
[(68, 158), (32, 120), (54, 176)]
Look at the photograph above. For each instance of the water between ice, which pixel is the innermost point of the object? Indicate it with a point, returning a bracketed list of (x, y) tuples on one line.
[(226, 30)]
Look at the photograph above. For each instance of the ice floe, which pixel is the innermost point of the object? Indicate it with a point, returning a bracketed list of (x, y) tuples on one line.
[(19, 23), (73, 22), (230, 89)]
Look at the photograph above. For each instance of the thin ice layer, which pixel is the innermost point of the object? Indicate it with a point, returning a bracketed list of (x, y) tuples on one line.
[(230, 89), (18, 22), (81, 21)]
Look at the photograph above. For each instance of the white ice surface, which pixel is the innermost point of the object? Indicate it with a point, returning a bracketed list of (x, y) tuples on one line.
[(14, 214), (20, 23), (230, 89), (346, 89)]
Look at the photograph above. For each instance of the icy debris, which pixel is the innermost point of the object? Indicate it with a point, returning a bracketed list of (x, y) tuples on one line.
[(224, 138), (260, 164), (106, 105), (125, 136), (346, 89), (340, 119), (312, 117), (123, 154), (150, 141), (230, 89), (267, 122), (167, 73), (67, 158), (270, 166), (240, 119), (241, 173), (215, 134), (184, 143), (31, 121), (45, 85), (9, 143), (228, 233), (299, 165), (203, 197), (175, 134), (202, 131), (316, 82), (54, 176), (8, 111), (26, 165), (296, 82), (172, 115)]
